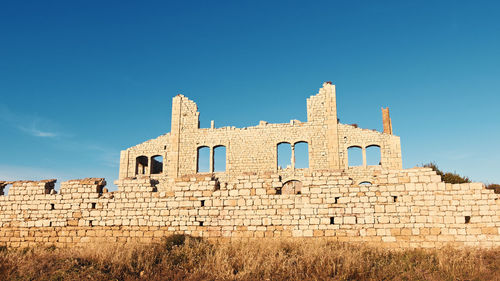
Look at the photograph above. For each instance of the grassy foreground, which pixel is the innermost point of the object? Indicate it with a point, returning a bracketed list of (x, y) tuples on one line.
[(181, 258)]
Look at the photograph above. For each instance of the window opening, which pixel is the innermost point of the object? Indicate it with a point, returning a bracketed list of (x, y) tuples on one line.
[(203, 162), (284, 155), (373, 156), (219, 158), (157, 164), (141, 167), (354, 156), (301, 155)]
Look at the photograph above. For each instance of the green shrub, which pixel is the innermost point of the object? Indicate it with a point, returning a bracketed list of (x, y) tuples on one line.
[(494, 186), (447, 177), (454, 178)]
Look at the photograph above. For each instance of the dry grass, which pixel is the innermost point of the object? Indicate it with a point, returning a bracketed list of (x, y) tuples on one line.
[(298, 259)]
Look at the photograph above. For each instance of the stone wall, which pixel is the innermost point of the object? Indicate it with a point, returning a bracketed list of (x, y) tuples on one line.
[(401, 208), (253, 197)]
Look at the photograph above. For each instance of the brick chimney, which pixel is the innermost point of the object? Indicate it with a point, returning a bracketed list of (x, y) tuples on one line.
[(386, 120)]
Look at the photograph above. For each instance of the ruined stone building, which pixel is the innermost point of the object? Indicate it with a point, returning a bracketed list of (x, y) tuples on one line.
[(254, 150), (242, 190)]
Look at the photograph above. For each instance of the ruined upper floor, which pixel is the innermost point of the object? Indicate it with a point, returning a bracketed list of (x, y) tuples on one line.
[(323, 143)]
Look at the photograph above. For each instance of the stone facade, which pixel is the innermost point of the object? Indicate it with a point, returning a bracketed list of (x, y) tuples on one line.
[(254, 149), (254, 197)]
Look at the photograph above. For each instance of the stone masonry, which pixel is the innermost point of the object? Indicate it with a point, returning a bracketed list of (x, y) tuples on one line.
[(161, 190)]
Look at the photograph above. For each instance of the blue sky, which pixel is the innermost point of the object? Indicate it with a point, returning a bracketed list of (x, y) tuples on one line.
[(82, 80)]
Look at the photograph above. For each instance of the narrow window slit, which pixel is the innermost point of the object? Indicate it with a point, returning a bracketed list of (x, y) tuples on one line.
[(201, 223), (93, 205), (337, 200), (467, 219), (332, 220), (52, 206), (203, 203), (394, 199)]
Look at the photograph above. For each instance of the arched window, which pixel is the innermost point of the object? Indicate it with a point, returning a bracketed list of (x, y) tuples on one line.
[(219, 158), (141, 165), (354, 156), (284, 155), (157, 164), (291, 187), (203, 160), (373, 155), (301, 150)]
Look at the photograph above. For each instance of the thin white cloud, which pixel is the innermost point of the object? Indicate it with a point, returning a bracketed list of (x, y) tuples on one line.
[(37, 133), (29, 124), (40, 127)]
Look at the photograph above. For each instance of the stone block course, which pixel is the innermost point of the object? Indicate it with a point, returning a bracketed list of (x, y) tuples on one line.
[(357, 216), (253, 197)]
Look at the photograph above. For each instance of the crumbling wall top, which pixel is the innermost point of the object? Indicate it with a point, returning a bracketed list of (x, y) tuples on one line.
[(87, 181), (26, 182), (28, 187), (87, 185)]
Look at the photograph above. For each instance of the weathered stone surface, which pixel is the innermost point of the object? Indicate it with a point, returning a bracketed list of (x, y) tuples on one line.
[(253, 198), (253, 150)]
